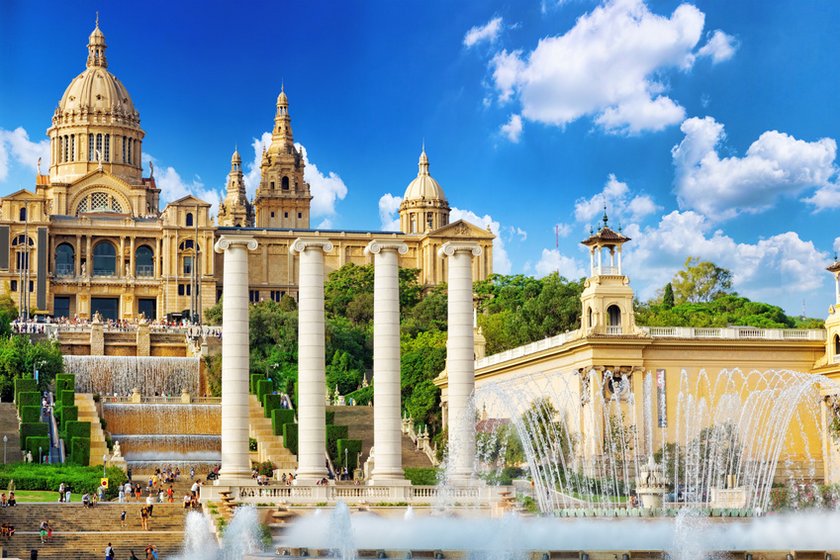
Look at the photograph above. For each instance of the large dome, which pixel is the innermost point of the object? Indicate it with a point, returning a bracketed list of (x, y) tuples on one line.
[(96, 91), (424, 187)]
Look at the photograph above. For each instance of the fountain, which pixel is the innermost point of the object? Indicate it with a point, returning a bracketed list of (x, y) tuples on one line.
[(241, 537), (119, 375)]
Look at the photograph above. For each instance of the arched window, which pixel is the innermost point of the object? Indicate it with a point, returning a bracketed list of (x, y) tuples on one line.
[(65, 262), (589, 318), (98, 153), (20, 243), (22, 214), (430, 220), (144, 261), (104, 259), (614, 313), (413, 228), (189, 218), (285, 183), (90, 148), (837, 344)]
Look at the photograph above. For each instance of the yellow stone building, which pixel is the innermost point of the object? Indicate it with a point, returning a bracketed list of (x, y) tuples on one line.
[(92, 237)]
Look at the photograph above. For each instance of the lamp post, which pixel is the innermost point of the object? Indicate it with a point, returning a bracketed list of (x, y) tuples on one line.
[(40, 454), (346, 466), (104, 465), (35, 366), (5, 441)]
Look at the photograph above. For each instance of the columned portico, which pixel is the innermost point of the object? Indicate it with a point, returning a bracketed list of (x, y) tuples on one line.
[(460, 359), (312, 437), (387, 466), (235, 357)]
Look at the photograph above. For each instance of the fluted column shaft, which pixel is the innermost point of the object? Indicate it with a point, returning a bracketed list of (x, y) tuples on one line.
[(235, 356), (387, 419), (312, 386), (460, 359)]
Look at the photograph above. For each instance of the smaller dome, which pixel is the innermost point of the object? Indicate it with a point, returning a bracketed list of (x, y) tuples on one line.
[(424, 187), (282, 99), (236, 158)]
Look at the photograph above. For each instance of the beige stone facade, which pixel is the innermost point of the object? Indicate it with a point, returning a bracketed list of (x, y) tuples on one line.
[(92, 237)]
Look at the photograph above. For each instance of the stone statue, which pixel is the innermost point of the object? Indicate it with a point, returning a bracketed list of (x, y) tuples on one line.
[(117, 451), (151, 169), (84, 269), (97, 317)]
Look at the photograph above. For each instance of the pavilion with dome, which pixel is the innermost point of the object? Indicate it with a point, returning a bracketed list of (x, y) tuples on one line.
[(92, 236)]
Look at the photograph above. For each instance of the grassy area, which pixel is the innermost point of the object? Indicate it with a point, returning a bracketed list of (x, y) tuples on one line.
[(41, 496)]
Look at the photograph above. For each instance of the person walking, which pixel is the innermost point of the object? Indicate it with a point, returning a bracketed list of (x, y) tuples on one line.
[(61, 490), (122, 518), (109, 552)]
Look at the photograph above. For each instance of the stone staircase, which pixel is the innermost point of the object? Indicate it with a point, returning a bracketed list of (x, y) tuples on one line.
[(359, 422), (269, 446), (10, 427), (88, 413), (83, 533)]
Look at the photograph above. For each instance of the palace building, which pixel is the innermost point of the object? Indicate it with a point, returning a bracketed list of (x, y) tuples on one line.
[(92, 236)]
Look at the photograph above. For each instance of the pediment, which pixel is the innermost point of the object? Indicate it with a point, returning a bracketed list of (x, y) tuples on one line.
[(22, 194), (461, 228), (189, 200), (99, 178)]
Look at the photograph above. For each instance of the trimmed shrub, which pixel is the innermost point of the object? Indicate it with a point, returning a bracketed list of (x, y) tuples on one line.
[(29, 429), (335, 433), (74, 429), (28, 398), (255, 377), (30, 414), (271, 402), (361, 397), (422, 476), (35, 442), (330, 417), (264, 387), (290, 437), (66, 397), (25, 385), (280, 416), (68, 414), (65, 381), (49, 477), (80, 451), (353, 447)]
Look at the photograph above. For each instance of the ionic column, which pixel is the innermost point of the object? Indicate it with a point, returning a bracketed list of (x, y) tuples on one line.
[(235, 357), (387, 419), (312, 436), (460, 359)]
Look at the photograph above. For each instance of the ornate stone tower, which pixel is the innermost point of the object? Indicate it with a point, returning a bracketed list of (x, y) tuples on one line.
[(95, 124), (283, 198), (424, 207), (607, 297), (832, 323), (235, 210)]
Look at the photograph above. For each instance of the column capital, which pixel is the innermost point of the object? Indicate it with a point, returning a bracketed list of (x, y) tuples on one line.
[(378, 245), (301, 244), (451, 247), (225, 242)]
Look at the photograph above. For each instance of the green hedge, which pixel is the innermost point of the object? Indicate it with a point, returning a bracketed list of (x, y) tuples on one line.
[(80, 450), (290, 437), (335, 433), (30, 413), (49, 477), (25, 385), (330, 417), (74, 428), (422, 476), (66, 397), (69, 414), (255, 377), (353, 447), (264, 387), (28, 398), (65, 381), (34, 442), (29, 429), (280, 416), (271, 402)]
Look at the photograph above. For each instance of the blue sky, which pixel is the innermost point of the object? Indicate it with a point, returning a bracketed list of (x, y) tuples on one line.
[(708, 128)]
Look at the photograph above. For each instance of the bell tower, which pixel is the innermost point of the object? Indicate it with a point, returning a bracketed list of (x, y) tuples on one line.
[(832, 323), (607, 298), (283, 198), (235, 210)]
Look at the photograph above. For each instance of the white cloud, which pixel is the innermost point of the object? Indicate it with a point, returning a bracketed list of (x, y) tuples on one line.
[(620, 205), (501, 260), (326, 189), (326, 223), (553, 260), (488, 32), (779, 268), (610, 65), (389, 206), (513, 128), (719, 47), (172, 186), (16, 146), (563, 230), (775, 165), (523, 235)]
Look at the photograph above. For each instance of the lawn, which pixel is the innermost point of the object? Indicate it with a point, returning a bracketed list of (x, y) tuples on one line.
[(41, 496)]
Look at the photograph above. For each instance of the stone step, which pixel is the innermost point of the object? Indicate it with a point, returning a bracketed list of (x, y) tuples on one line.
[(10, 427)]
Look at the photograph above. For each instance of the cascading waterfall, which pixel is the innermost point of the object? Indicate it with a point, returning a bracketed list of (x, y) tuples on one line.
[(119, 375), (584, 447)]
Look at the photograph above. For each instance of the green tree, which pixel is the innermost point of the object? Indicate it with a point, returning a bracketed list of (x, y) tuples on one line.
[(668, 296), (700, 281)]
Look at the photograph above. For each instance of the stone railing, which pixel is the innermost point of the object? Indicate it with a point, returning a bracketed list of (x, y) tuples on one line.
[(544, 344), (421, 440), (52, 329), (328, 493)]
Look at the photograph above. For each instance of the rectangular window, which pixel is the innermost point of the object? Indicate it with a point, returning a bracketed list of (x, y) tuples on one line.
[(219, 292), (13, 285), (90, 148), (98, 152), (276, 295), (253, 296), (107, 147), (123, 148), (188, 261), (285, 214), (184, 289), (72, 147), (300, 215), (60, 147)]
